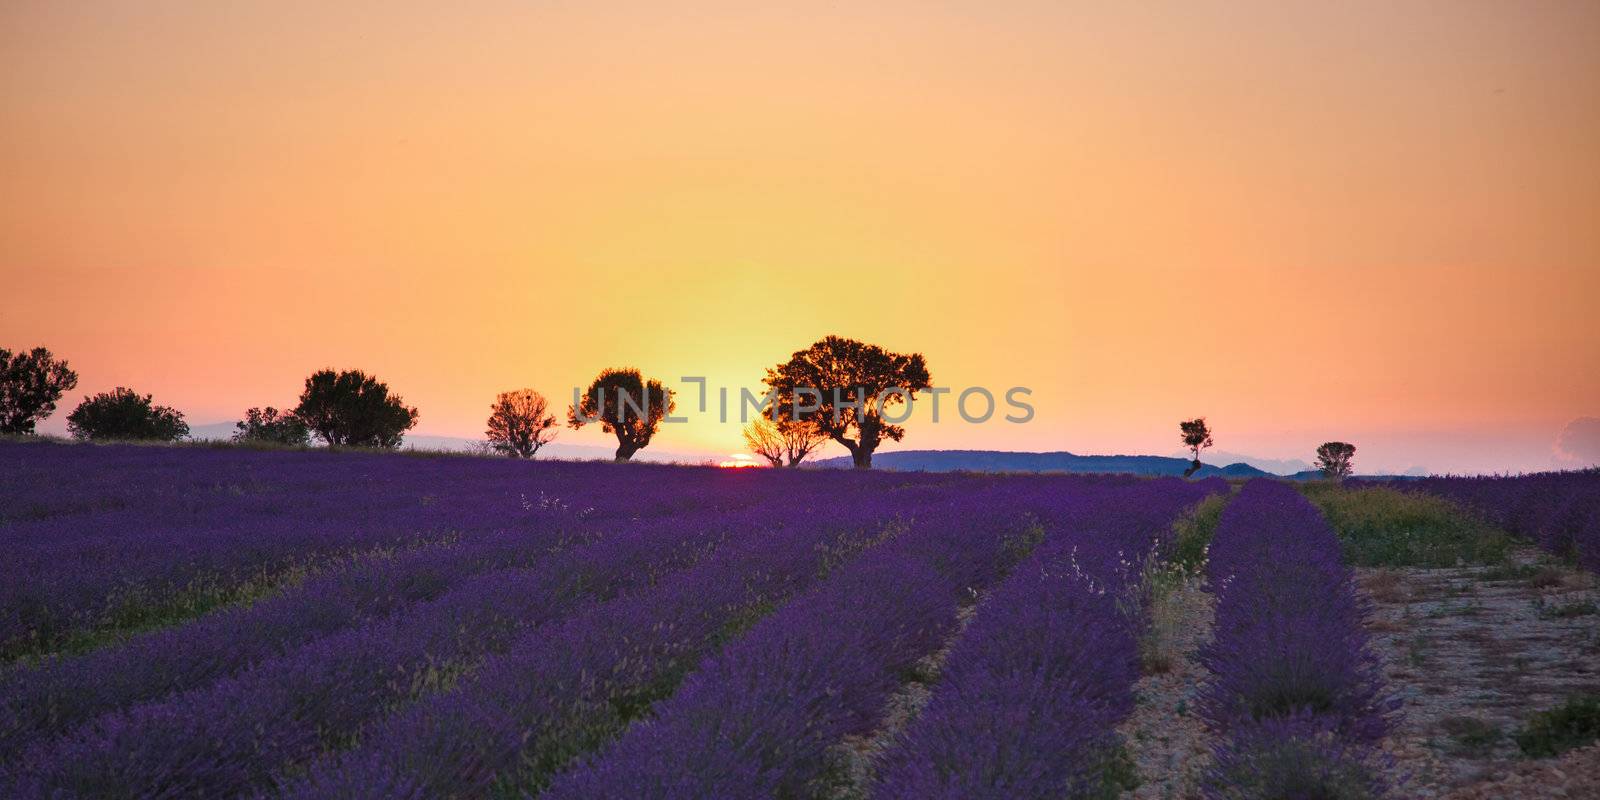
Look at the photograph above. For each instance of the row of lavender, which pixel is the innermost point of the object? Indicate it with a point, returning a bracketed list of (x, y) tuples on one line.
[(761, 719), (1029, 700), (1558, 510), (1297, 694), (106, 537)]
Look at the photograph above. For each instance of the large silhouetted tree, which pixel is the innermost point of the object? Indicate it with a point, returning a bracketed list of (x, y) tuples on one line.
[(30, 385), (1333, 458), (625, 404), (1196, 436), (786, 441), (272, 426), (520, 423), (125, 414), (354, 409), (842, 385)]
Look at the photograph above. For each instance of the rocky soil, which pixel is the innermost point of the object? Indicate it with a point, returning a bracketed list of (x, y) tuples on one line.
[(1169, 744), (1474, 651)]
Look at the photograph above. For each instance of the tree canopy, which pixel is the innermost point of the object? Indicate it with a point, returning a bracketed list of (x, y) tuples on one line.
[(30, 385), (1334, 459), (125, 414), (354, 409), (1196, 435), (625, 404), (843, 386), (520, 423)]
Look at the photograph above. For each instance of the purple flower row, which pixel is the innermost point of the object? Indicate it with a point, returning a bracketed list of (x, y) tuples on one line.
[(758, 719), (565, 689), (1290, 661), (235, 735), (227, 518), (1029, 699), (1558, 510)]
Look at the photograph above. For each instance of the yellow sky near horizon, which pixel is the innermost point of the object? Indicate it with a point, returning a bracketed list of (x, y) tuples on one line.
[(1372, 222)]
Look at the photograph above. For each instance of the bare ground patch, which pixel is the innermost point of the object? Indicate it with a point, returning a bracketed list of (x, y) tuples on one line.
[(1169, 744), (1473, 652)]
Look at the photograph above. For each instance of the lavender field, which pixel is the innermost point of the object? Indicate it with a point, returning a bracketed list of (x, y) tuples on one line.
[(229, 622)]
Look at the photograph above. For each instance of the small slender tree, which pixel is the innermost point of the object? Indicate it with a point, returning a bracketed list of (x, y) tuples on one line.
[(520, 423), (272, 426), (785, 442), (842, 385), (125, 414), (354, 409), (1196, 436), (624, 404), (30, 385), (1334, 458)]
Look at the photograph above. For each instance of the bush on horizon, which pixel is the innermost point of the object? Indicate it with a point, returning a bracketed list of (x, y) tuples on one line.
[(125, 414), (271, 426), (352, 408)]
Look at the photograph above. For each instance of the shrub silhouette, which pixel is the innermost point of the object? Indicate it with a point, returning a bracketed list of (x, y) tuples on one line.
[(519, 423), (783, 442), (354, 409), (30, 385), (273, 426), (125, 414)]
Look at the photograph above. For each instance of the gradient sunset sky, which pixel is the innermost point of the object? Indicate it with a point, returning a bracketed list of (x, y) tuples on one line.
[(1369, 221)]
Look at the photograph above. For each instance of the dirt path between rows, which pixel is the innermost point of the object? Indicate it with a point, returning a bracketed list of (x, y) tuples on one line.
[(1473, 652), (1169, 744)]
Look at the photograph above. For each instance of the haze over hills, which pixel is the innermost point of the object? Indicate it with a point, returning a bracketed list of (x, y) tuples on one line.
[(1238, 466), (1060, 461)]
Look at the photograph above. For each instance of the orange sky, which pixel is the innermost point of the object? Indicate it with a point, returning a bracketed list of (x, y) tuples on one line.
[(1374, 221)]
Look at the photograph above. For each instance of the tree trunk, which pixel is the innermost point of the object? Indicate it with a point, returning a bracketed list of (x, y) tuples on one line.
[(625, 448), (862, 457)]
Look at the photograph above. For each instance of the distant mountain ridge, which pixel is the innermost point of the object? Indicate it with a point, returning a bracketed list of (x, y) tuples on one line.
[(1059, 461), (1276, 466)]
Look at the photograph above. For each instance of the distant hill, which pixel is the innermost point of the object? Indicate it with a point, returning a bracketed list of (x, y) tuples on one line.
[(1276, 466), (1062, 461)]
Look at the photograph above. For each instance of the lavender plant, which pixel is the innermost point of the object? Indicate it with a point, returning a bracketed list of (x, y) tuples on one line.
[(1296, 693)]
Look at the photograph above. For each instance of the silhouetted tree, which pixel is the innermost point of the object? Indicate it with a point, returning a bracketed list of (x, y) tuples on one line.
[(1333, 458), (626, 405), (519, 423), (30, 385), (125, 414), (786, 440), (1196, 437), (273, 426), (354, 409), (852, 383)]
